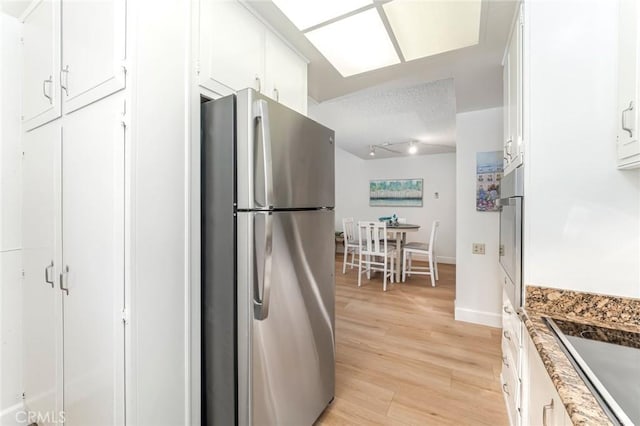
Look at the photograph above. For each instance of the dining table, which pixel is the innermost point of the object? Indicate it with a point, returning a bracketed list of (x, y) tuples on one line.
[(399, 231)]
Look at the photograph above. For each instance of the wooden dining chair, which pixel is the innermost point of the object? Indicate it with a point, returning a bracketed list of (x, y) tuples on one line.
[(375, 253), (425, 250), (351, 244)]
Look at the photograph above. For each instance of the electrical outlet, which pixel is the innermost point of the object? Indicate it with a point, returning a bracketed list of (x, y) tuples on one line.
[(477, 248)]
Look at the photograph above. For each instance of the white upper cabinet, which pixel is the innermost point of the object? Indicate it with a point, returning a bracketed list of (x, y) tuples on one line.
[(93, 51), (285, 74), (236, 51), (41, 63), (628, 146), (73, 55), (231, 47), (513, 96)]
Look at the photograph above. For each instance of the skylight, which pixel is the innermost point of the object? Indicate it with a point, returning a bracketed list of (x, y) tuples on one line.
[(356, 36), (425, 28), (306, 14), (355, 44)]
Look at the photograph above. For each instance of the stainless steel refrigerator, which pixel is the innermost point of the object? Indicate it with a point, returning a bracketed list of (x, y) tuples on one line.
[(267, 263)]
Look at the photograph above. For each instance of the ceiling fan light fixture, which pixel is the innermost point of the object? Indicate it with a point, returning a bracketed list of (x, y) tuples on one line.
[(372, 151)]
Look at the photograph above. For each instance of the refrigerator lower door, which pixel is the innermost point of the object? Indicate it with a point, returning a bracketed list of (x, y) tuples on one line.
[(286, 347)]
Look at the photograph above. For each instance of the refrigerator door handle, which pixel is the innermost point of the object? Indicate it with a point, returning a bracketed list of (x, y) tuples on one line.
[(261, 113), (261, 298)]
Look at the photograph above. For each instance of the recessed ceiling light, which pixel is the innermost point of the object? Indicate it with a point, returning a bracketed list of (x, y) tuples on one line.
[(355, 44), (306, 14), (425, 28)]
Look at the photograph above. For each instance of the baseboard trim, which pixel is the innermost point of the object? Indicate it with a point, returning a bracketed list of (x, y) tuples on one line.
[(9, 417), (446, 259), (478, 317)]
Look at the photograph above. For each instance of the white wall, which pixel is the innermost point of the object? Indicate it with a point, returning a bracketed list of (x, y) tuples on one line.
[(581, 213), (10, 236), (158, 386), (439, 174), (478, 292)]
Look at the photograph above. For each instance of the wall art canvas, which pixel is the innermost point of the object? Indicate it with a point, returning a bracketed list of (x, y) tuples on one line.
[(395, 192), (488, 176)]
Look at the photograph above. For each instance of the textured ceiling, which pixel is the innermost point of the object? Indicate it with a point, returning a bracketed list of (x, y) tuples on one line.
[(393, 115)]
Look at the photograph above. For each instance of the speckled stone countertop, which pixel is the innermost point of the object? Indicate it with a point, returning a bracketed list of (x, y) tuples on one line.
[(593, 309)]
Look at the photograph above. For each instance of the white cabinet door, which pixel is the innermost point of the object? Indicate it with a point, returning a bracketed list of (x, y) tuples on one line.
[(506, 110), (41, 63), (544, 406), (513, 97), (285, 74), (512, 136), (628, 145), (93, 51), (93, 252), (41, 297), (231, 47)]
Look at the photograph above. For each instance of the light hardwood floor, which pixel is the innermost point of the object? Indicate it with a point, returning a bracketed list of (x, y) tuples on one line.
[(401, 359)]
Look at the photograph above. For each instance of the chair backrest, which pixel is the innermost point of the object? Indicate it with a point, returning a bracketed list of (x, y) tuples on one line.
[(348, 227), (372, 237), (434, 235)]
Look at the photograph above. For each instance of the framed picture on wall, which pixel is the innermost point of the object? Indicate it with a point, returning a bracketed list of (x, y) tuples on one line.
[(395, 193), (488, 176)]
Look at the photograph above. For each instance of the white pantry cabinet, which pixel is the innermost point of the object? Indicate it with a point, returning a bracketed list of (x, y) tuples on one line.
[(513, 95), (93, 51), (73, 55), (41, 63), (92, 275), (74, 265), (627, 143), (41, 297), (544, 406), (236, 51)]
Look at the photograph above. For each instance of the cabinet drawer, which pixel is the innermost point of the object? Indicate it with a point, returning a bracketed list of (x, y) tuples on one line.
[(510, 385), (511, 325)]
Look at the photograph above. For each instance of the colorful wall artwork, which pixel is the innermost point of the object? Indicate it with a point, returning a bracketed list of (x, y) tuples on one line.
[(396, 192), (488, 176)]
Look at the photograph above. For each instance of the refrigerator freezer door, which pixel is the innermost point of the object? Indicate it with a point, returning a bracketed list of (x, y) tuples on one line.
[(285, 160), (289, 349)]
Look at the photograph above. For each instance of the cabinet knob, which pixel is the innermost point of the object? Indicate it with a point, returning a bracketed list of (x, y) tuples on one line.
[(507, 310), (504, 361), (506, 335), (505, 389), (276, 94), (258, 84)]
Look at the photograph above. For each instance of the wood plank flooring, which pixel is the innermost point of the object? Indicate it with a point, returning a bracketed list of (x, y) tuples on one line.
[(401, 359)]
